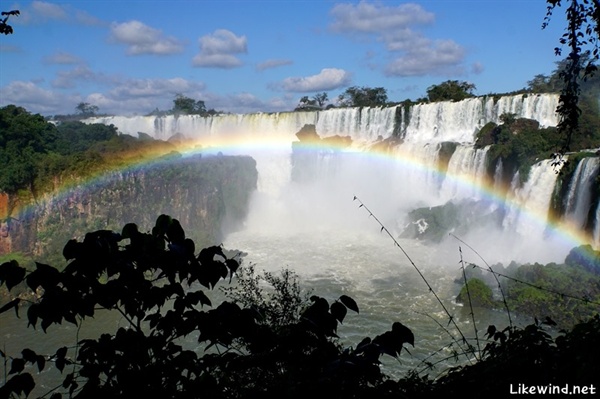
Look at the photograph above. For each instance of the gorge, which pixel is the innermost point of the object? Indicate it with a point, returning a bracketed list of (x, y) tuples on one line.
[(431, 149), (422, 170)]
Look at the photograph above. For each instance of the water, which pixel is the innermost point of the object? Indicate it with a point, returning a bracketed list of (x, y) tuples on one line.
[(313, 226)]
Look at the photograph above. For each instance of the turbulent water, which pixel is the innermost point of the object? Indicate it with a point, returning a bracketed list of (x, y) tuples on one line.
[(314, 226)]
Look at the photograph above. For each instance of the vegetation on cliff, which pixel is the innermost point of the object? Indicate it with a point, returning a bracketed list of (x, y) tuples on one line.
[(53, 166), (39, 156)]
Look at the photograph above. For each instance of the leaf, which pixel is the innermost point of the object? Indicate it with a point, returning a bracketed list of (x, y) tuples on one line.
[(41, 362), (338, 310), (22, 383), (29, 355), (162, 224), (72, 250), (130, 230), (17, 366), (207, 255), (11, 274), (491, 330), (44, 276), (175, 232), (32, 315), (12, 304), (232, 265), (349, 302), (403, 333)]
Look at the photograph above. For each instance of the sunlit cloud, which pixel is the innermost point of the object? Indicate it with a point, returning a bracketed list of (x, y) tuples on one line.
[(143, 39), (442, 57), (327, 79), (409, 52), (219, 49), (376, 18)]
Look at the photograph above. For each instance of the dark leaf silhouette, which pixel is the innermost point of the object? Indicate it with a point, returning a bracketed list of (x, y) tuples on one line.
[(349, 302), (12, 304), (338, 311), (11, 274)]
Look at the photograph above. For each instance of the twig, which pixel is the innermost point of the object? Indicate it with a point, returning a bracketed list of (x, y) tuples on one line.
[(495, 277), (462, 263), (383, 228)]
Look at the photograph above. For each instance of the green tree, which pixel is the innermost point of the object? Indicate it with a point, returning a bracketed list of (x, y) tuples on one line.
[(363, 97), (321, 99), (450, 90), (24, 138), (582, 32), (317, 101), (183, 105), (86, 109)]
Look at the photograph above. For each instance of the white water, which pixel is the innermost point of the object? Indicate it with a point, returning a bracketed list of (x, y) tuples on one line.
[(315, 228), (580, 190)]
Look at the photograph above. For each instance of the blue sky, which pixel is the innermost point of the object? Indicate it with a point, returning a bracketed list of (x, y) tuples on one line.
[(130, 57)]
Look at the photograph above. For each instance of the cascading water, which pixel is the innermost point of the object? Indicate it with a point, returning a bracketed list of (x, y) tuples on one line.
[(578, 201), (312, 226)]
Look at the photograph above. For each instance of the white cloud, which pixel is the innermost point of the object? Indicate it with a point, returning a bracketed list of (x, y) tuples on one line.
[(410, 53), (218, 49), (273, 63), (371, 18), (33, 98), (69, 79), (62, 58), (143, 39), (327, 79), (225, 61), (443, 57), (44, 10), (161, 88)]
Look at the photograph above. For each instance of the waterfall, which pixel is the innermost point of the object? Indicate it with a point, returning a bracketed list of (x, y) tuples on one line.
[(532, 199), (467, 163), (579, 196), (459, 121), (596, 235), (310, 188)]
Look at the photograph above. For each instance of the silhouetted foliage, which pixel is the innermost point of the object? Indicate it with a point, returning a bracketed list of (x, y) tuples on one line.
[(157, 282), (5, 28)]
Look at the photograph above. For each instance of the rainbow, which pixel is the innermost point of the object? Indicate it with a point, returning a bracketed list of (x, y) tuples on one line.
[(242, 145)]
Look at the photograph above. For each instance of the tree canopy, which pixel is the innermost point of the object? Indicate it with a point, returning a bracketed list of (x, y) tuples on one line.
[(87, 109), (183, 105), (363, 97), (450, 90), (581, 38)]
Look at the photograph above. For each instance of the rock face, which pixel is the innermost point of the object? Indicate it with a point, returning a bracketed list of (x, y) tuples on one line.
[(208, 195)]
